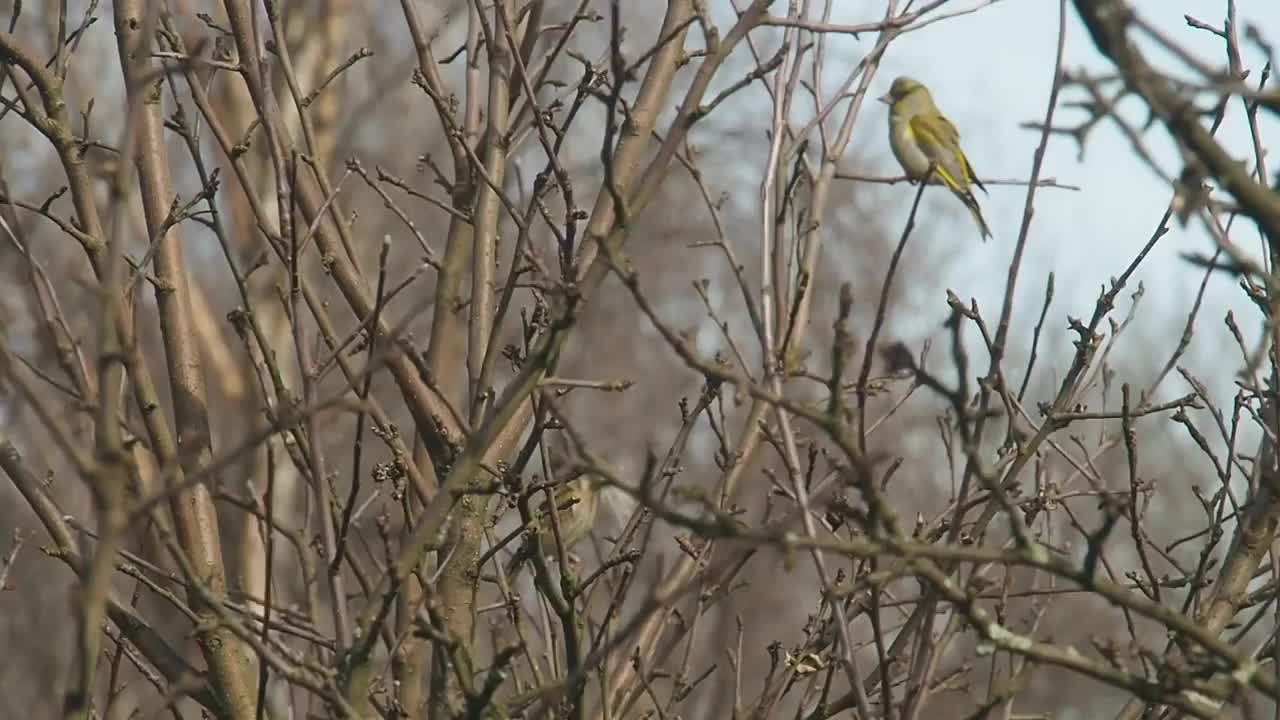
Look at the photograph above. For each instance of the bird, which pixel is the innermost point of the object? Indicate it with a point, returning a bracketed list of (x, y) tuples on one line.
[(577, 503), (923, 139)]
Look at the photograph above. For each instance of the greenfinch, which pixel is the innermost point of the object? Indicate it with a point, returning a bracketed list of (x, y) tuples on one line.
[(923, 139), (577, 502)]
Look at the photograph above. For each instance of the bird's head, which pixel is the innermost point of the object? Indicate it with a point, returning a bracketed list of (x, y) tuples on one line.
[(583, 487), (903, 88)]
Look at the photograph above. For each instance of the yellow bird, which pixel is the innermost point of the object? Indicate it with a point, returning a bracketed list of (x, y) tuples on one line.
[(577, 502), (923, 138)]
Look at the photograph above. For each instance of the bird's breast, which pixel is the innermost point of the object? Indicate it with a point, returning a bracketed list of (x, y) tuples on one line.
[(906, 148)]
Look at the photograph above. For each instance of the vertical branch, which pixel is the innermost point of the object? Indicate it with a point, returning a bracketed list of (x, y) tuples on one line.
[(882, 309), (459, 571), (107, 479), (195, 517), (444, 349), (998, 346), (315, 455), (771, 253), (488, 206)]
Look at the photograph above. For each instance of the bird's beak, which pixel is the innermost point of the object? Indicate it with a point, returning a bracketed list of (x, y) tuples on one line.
[(886, 99)]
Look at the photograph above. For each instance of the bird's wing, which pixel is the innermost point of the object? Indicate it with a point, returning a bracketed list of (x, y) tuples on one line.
[(937, 138), (945, 128), (948, 130), (968, 169)]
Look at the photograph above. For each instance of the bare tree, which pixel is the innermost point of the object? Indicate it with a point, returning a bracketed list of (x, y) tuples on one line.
[(382, 301)]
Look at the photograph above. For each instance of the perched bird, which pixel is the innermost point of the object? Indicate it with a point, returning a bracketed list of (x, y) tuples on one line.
[(923, 138), (577, 501)]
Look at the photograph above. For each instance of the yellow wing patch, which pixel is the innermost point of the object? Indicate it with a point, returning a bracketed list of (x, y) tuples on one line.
[(939, 140)]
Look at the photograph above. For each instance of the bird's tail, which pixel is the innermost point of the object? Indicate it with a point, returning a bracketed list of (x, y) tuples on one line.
[(963, 192), (971, 202)]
